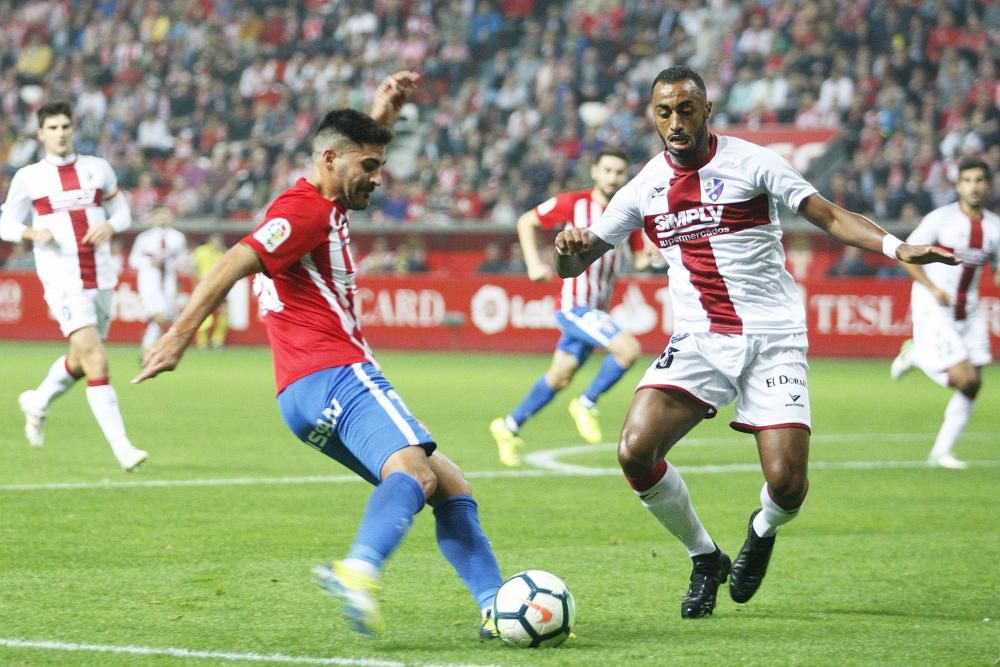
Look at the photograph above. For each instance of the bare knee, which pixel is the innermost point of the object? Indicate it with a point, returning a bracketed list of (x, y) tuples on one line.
[(788, 487), (635, 456), (969, 386), (625, 351)]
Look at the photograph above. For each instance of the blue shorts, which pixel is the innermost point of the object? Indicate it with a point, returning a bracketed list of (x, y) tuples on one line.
[(583, 329), (353, 415)]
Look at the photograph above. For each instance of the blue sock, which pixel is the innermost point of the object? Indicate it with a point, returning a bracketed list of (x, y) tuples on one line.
[(539, 396), (609, 373), (466, 547), (387, 518)]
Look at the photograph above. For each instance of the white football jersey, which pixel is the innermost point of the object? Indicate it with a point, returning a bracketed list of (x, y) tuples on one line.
[(975, 242), (157, 253), (67, 200), (717, 227)]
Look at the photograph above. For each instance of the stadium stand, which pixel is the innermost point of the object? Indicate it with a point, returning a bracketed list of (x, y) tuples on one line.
[(206, 105)]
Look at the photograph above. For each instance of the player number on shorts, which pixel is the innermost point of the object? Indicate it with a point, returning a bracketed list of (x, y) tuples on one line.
[(666, 358)]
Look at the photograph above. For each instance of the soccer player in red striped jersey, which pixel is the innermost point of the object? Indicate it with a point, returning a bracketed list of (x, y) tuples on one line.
[(75, 208), (331, 392), (583, 303), (951, 339), (708, 202)]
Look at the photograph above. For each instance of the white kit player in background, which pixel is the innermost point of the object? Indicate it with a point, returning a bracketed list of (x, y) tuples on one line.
[(582, 316), (157, 255), (951, 340), (74, 207), (709, 203)]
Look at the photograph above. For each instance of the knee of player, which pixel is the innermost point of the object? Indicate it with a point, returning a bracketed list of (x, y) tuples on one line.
[(558, 381), (626, 350), (969, 386), (633, 458), (788, 488)]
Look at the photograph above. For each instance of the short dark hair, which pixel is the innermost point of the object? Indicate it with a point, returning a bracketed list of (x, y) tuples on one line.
[(973, 162), (611, 151), (680, 73), (358, 127), (54, 109)]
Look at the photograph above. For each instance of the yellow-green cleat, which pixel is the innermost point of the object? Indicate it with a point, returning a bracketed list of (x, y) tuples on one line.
[(357, 593), (509, 444), (488, 630), (586, 421)]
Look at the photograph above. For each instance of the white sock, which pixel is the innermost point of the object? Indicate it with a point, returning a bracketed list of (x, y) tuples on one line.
[(104, 404), (669, 502), (362, 566), (956, 416), (56, 383), (586, 402), (153, 331), (771, 516), (511, 424)]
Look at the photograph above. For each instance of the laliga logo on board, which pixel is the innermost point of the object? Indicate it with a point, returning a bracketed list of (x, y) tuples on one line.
[(634, 314), (493, 311)]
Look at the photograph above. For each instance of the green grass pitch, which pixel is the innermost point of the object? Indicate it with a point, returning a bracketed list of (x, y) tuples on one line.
[(203, 556)]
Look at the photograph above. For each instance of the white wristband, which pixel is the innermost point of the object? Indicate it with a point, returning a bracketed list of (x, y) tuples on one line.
[(889, 245)]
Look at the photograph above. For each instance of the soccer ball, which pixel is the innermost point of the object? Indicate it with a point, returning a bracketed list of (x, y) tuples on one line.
[(534, 609)]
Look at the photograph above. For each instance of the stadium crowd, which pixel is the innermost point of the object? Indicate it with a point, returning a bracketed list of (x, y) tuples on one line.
[(206, 106)]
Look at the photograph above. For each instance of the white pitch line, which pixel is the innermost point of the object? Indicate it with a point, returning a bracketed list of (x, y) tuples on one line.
[(228, 656), (546, 462)]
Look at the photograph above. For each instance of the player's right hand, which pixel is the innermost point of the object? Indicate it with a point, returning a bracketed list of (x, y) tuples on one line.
[(41, 236), (161, 357), (540, 273), (574, 241), (941, 297)]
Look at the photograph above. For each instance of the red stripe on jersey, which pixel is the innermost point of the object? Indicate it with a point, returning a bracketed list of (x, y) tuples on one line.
[(84, 251), (968, 270), (698, 258), (43, 205)]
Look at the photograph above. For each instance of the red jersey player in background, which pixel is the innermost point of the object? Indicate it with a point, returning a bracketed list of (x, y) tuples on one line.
[(330, 390), (951, 338), (708, 202), (583, 303), (75, 208)]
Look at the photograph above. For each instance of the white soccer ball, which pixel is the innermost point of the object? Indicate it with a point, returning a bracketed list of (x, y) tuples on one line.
[(534, 609)]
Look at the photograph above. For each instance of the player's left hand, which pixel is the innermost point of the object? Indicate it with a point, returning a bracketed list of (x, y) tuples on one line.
[(161, 357), (390, 95), (925, 254), (95, 236)]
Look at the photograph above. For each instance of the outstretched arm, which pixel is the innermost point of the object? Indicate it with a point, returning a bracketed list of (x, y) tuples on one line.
[(238, 262), (857, 230), (576, 249), (391, 94), (527, 234)]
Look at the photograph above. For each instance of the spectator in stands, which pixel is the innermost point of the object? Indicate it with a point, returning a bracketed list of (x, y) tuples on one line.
[(20, 258), (493, 261), (380, 260), (851, 265)]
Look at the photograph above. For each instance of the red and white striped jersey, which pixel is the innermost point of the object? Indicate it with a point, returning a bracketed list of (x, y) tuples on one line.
[(717, 226), (975, 242), (67, 200), (308, 296), (594, 286)]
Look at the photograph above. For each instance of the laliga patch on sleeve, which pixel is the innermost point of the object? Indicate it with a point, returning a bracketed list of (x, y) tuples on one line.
[(273, 233)]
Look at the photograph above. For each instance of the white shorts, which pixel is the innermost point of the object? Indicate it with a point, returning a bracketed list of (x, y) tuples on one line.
[(941, 342), (766, 374), (158, 294), (79, 308)]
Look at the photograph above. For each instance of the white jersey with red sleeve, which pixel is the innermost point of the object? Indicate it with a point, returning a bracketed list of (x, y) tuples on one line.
[(717, 226), (975, 242), (65, 198), (307, 296), (594, 286)]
